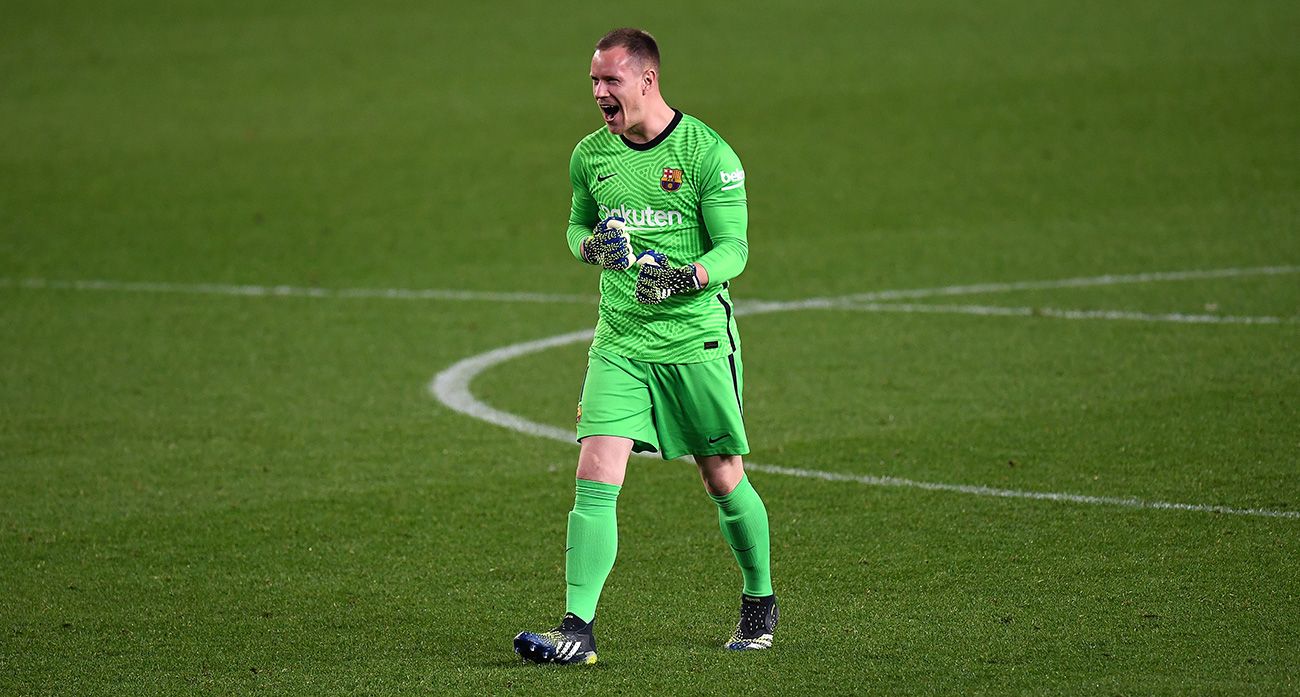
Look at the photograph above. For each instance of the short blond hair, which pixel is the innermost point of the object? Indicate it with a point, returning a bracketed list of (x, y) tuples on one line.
[(638, 43)]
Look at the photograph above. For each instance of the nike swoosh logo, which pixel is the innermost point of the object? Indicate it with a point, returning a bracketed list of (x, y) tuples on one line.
[(566, 549), (715, 440), (603, 177), (745, 549)]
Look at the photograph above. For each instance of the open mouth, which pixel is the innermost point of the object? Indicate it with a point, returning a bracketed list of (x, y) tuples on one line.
[(610, 111)]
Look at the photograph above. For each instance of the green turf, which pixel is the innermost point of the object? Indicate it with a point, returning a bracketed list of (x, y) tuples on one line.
[(212, 494)]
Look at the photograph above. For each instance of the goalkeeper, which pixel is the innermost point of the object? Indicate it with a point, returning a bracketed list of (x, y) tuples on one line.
[(659, 205)]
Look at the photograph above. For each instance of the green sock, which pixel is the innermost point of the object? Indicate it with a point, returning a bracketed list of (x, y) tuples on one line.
[(592, 544), (743, 519)]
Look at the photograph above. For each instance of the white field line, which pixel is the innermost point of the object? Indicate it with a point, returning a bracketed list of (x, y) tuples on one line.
[(751, 307), (1002, 311), (1127, 502), (869, 302), (294, 291), (1105, 280), (860, 301), (452, 388)]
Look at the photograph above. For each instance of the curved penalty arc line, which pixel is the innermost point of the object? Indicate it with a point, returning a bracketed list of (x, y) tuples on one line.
[(451, 387)]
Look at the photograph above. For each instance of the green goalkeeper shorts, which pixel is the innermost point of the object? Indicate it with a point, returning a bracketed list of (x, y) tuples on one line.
[(675, 408)]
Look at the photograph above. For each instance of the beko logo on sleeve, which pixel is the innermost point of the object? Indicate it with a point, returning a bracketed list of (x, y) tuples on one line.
[(732, 179)]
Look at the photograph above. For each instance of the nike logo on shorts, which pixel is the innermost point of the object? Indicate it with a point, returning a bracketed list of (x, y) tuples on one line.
[(715, 440)]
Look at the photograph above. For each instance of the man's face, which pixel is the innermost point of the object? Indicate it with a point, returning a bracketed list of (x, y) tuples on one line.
[(617, 80)]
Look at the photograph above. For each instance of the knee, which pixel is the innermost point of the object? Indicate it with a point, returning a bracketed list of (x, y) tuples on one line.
[(604, 459), (721, 473), (598, 470)]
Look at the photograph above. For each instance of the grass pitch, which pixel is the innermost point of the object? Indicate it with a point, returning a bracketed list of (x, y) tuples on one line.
[(205, 492)]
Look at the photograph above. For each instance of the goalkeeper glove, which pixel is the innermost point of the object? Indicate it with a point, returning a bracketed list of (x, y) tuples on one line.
[(608, 245), (656, 281)]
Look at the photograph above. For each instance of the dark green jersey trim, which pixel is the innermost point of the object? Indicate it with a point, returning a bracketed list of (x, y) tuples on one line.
[(663, 135), (727, 307), (735, 382)]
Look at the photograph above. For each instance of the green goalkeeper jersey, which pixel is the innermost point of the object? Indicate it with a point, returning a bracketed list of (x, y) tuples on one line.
[(682, 194)]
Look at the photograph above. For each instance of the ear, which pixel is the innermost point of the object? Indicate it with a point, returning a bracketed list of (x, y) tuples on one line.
[(647, 80)]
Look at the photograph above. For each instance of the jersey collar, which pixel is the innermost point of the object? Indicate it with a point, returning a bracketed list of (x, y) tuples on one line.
[(677, 118)]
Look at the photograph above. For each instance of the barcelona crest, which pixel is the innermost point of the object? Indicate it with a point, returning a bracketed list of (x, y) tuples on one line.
[(672, 179)]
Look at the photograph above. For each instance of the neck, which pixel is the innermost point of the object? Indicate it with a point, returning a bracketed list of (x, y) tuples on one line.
[(657, 118)]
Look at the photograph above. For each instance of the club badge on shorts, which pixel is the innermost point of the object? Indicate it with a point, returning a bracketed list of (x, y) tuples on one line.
[(672, 179)]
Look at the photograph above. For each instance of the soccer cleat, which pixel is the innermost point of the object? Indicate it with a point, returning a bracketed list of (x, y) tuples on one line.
[(758, 618), (570, 643)]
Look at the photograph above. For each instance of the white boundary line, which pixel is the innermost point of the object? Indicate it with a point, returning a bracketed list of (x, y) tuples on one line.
[(863, 302), (452, 388), (1057, 313), (293, 291), (1104, 280), (1127, 502), (869, 302)]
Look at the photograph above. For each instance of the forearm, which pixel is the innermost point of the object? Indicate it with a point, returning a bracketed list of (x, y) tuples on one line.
[(582, 211), (724, 262), (576, 234), (727, 224), (701, 274)]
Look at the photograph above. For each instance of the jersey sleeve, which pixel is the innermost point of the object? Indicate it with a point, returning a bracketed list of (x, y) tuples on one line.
[(726, 214), (582, 212)]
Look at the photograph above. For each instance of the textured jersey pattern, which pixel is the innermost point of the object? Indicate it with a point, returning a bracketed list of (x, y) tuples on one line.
[(658, 192)]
